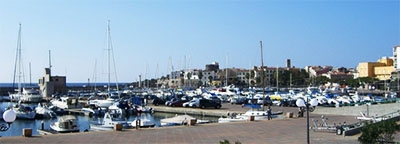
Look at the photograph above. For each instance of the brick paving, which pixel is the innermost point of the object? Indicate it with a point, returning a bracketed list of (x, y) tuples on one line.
[(285, 130)]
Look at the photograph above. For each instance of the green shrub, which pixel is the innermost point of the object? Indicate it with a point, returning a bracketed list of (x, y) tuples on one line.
[(381, 132)]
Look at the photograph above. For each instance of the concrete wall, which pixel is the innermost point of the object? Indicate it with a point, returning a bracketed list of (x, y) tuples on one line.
[(374, 110)]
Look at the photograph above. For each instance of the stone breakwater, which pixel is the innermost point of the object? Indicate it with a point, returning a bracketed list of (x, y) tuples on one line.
[(372, 110)]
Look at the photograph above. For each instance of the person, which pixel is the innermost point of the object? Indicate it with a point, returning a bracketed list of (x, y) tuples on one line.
[(269, 113), (300, 113)]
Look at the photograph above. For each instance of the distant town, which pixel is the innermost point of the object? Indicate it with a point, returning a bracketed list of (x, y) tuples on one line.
[(380, 75)]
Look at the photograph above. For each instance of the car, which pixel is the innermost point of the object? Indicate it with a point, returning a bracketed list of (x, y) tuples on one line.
[(168, 103), (205, 103), (157, 101), (287, 103), (238, 100), (191, 103), (178, 103)]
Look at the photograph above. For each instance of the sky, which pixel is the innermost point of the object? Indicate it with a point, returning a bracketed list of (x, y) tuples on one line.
[(152, 37)]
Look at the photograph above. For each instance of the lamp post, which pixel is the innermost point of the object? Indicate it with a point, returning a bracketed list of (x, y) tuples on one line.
[(301, 103), (9, 117)]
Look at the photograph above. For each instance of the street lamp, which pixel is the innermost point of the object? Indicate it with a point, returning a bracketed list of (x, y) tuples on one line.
[(9, 117), (300, 103)]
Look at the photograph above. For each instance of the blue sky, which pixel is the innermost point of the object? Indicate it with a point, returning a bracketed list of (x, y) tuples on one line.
[(149, 35)]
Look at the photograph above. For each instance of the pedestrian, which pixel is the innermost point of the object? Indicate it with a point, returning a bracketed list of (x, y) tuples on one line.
[(269, 113)]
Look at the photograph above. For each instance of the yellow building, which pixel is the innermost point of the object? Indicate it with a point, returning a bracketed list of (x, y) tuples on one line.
[(381, 69)]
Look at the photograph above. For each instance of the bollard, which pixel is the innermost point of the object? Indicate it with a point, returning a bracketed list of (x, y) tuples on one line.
[(137, 123), (27, 132), (118, 127), (251, 118)]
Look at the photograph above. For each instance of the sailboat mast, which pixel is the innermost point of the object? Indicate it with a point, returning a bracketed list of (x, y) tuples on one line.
[(30, 75), (262, 73), (226, 72), (19, 60), (50, 60), (108, 55)]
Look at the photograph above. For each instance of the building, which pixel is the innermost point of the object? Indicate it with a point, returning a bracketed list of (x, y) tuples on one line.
[(214, 66), (315, 71), (50, 85), (381, 69)]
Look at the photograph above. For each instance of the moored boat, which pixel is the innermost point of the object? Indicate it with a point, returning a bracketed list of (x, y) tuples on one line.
[(108, 122), (65, 124), (178, 120)]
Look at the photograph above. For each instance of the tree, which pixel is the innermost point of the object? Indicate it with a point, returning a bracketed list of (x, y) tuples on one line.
[(320, 80), (381, 132)]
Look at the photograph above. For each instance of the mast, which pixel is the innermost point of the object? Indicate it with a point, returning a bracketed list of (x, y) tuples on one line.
[(226, 72), (30, 75), (50, 60), (109, 53), (19, 60), (277, 78), (108, 56), (262, 74)]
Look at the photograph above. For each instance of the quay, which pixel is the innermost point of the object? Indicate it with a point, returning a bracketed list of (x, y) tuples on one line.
[(280, 130)]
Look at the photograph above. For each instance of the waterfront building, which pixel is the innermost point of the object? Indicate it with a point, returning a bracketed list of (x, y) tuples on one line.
[(381, 69), (50, 85)]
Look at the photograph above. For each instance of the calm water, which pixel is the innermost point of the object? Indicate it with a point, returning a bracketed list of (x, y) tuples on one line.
[(84, 121)]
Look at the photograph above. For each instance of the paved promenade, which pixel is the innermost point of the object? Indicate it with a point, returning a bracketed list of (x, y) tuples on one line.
[(286, 130)]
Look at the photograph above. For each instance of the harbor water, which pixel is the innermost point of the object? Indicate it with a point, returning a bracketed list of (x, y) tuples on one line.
[(84, 121)]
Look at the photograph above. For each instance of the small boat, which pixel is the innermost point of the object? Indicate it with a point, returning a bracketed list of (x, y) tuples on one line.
[(23, 112), (44, 112), (65, 124), (178, 120), (102, 103), (144, 123), (108, 122), (232, 118), (30, 96), (259, 114), (64, 103)]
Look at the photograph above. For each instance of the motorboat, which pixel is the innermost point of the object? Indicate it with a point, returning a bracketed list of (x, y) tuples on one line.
[(232, 118), (30, 96), (178, 120), (23, 112), (257, 113), (44, 112), (143, 123), (65, 124), (108, 122), (102, 103), (64, 103)]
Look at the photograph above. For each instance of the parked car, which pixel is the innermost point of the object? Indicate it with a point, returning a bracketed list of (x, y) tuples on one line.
[(205, 103), (238, 100), (157, 101), (287, 102), (191, 103), (178, 103), (168, 103)]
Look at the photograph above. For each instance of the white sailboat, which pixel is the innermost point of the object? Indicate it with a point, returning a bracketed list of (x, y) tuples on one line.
[(23, 94), (105, 103)]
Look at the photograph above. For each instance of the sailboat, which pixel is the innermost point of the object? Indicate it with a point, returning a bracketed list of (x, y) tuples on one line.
[(111, 96), (23, 94)]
